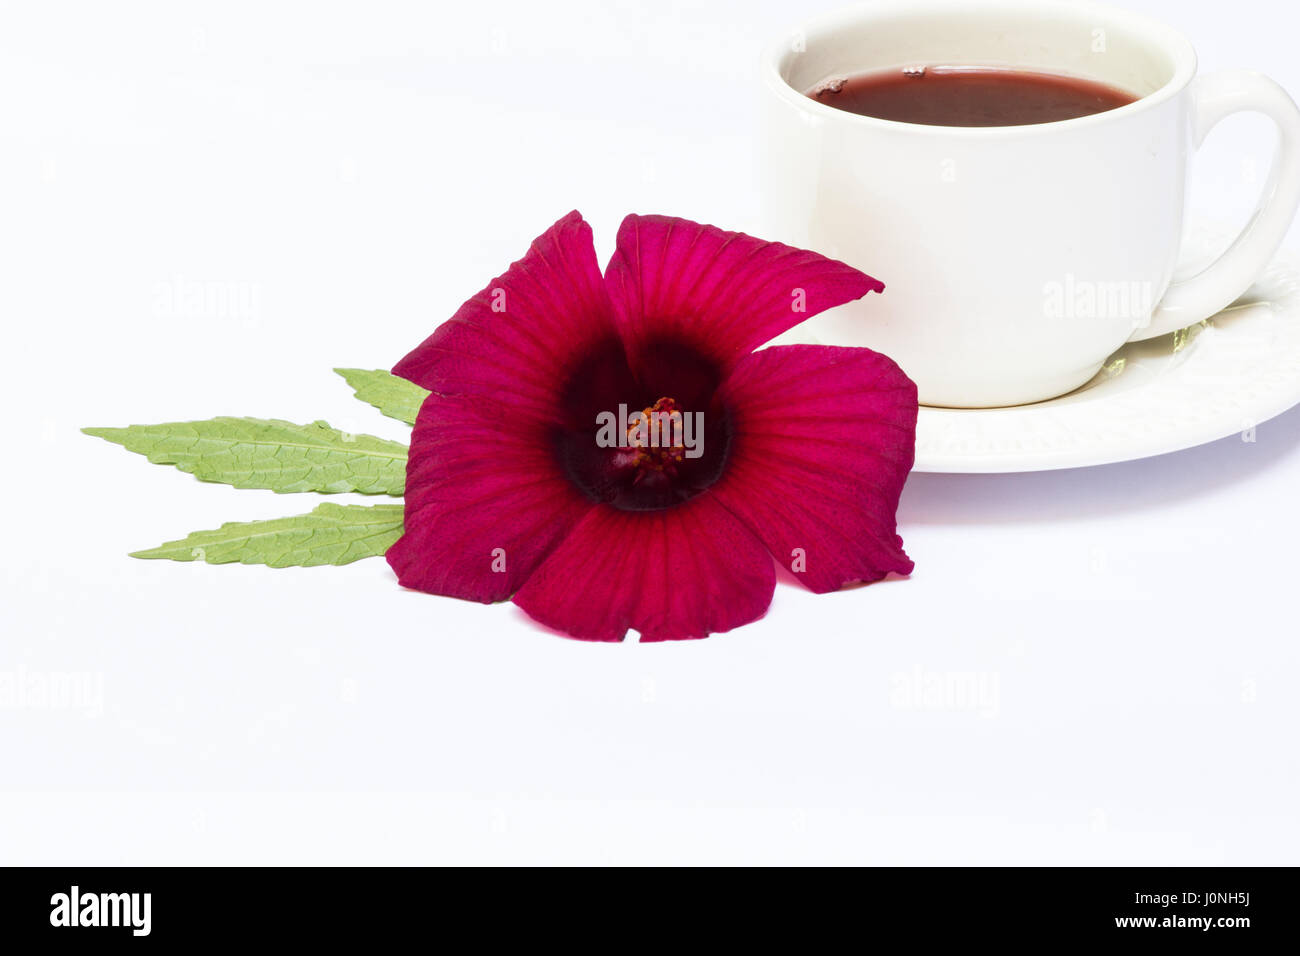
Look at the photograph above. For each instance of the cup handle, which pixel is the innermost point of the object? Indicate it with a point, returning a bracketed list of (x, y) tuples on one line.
[(1215, 97)]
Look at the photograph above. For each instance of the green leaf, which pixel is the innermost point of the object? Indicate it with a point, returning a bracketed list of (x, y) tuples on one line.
[(332, 534), (268, 453), (395, 397)]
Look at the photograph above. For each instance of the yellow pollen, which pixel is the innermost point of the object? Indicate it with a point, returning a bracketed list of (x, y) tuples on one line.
[(651, 433)]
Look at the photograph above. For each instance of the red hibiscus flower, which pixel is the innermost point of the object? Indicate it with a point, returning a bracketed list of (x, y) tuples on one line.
[(515, 490)]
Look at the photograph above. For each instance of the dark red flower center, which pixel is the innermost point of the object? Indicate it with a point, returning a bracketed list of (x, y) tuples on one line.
[(648, 437)]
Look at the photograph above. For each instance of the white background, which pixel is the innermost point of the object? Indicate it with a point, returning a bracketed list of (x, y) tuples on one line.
[(352, 172)]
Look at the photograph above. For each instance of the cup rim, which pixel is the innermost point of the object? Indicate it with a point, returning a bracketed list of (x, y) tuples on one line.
[(1173, 41)]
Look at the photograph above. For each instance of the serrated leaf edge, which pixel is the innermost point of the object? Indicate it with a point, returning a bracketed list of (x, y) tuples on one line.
[(396, 513)]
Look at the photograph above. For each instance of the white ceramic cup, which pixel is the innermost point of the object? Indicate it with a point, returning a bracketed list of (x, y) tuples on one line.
[(1015, 258)]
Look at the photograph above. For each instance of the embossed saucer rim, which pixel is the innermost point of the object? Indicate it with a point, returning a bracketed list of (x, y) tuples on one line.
[(1219, 378)]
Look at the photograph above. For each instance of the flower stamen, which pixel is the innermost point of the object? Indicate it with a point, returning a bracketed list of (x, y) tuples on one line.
[(656, 439)]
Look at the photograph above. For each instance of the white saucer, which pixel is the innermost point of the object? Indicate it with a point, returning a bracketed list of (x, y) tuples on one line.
[(1221, 377)]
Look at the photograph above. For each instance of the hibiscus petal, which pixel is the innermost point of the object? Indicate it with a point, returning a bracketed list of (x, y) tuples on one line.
[(674, 574), (823, 440), (485, 500), (519, 339), (725, 293)]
